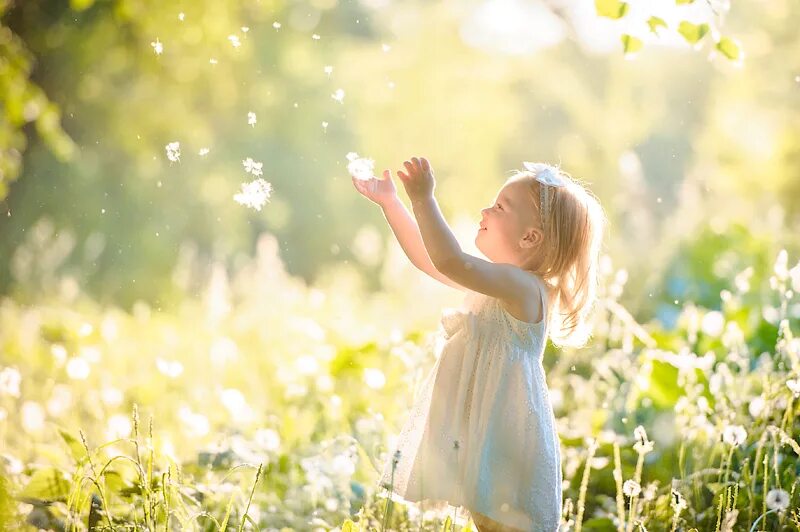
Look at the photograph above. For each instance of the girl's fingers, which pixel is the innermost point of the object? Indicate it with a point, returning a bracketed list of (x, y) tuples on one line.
[(426, 166), (401, 175), (415, 161)]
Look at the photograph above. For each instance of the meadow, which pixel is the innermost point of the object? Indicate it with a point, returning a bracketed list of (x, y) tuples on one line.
[(268, 404)]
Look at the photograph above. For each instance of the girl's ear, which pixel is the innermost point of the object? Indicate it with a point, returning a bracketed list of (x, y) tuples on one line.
[(531, 238)]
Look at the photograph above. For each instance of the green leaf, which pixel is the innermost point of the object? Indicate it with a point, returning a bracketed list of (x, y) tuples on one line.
[(729, 48), (630, 43), (76, 448), (692, 32), (610, 8), (47, 484), (654, 22)]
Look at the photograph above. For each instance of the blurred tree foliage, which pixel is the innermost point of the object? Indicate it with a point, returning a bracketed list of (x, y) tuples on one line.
[(667, 142)]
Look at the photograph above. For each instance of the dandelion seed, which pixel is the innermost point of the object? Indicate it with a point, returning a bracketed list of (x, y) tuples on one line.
[(328, 69), (276, 25), (315, 37), (212, 61), (360, 167), (734, 435), (386, 47), (391, 84), (174, 151), (158, 46), (794, 385), (254, 194), (325, 126), (234, 41), (777, 499), (631, 488), (251, 118), (203, 152), (181, 16), (338, 95), (252, 167), (245, 29)]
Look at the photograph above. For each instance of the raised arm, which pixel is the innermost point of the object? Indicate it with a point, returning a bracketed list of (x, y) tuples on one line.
[(404, 226)]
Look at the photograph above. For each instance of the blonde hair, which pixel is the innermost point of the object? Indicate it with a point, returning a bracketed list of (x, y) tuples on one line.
[(570, 266)]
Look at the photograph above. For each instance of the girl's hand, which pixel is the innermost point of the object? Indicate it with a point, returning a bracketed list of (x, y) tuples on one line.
[(381, 191), (419, 182)]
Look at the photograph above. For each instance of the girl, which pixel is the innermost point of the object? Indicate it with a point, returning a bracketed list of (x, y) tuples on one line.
[(482, 434)]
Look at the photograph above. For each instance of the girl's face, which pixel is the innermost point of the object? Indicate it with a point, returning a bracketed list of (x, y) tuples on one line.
[(506, 222)]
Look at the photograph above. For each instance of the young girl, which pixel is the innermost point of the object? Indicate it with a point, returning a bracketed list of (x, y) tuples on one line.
[(482, 434)]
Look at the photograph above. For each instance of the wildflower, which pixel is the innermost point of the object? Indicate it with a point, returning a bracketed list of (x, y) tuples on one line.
[(9, 382), (777, 499), (642, 445), (174, 151), (729, 521), (678, 503), (254, 194), (158, 46), (794, 385), (631, 488), (734, 435)]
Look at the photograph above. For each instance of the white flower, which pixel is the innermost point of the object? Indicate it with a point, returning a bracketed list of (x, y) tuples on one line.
[(374, 378), (794, 385), (268, 439), (777, 499), (678, 503), (174, 151), (642, 445), (234, 41), (252, 167), (734, 435), (77, 368), (631, 488), (9, 382), (338, 95), (170, 368), (158, 47), (254, 194), (251, 119), (359, 167), (32, 416)]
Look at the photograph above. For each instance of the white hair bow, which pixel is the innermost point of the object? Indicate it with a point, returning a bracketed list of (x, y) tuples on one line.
[(547, 175)]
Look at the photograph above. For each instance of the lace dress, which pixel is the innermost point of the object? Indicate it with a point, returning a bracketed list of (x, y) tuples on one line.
[(481, 434)]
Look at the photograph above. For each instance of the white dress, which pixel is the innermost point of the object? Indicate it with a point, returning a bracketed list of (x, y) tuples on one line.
[(482, 434)]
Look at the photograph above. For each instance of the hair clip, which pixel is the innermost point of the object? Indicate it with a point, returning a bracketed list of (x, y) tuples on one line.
[(547, 175)]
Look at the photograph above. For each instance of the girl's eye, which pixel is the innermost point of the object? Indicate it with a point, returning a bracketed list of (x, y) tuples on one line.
[(501, 208)]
